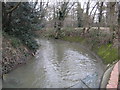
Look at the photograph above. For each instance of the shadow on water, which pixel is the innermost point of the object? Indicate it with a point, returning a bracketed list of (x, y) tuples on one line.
[(57, 64)]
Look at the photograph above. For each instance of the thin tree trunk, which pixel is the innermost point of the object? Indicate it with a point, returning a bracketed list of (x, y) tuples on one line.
[(100, 15), (12, 9), (119, 31), (86, 23), (61, 15)]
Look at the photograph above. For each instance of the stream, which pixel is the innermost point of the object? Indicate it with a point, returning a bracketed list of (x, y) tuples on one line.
[(57, 64)]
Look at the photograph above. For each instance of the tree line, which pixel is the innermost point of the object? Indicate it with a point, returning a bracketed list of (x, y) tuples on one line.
[(21, 19)]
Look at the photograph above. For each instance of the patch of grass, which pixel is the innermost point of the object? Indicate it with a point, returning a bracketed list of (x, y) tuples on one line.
[(73, 39), (108, 53)]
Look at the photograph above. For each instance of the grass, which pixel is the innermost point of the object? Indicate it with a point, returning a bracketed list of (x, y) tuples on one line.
[(73, 39), (107, 53)]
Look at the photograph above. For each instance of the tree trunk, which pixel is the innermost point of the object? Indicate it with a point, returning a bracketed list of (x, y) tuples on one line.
[(86, 18), (61, 15), (100, 15), (79, 15), (58, 29), (118, 31)]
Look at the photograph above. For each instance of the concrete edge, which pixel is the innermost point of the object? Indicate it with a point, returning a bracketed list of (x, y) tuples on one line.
[(114, 77)]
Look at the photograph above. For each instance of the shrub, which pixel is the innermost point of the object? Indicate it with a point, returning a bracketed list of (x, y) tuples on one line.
[(15, 42), (21, 26)]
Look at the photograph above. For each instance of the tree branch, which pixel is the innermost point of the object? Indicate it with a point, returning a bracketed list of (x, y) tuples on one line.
[(15, 7), (93, 8)]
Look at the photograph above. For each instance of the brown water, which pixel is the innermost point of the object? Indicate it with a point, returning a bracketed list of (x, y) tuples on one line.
[(57, 64)]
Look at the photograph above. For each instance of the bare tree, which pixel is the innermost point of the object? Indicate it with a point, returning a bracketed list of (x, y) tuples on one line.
[(119, 30), (79, 14), (100, 8), (111, 14), (87, 14), (86, 18), (61, 12), (119, 23), (119, 15), (94, 13), (42, 10)]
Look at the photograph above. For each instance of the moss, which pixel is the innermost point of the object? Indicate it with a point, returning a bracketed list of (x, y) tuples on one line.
[(107, 53), (73, 39)]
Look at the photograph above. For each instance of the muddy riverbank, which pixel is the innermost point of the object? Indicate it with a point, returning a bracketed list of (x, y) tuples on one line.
[(14, 54)]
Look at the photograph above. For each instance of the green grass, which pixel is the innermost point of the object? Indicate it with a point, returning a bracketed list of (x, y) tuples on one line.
[(73, 39), (108, 53)]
